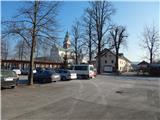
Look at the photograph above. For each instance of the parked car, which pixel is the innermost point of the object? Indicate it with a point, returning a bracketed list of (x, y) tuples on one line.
[(26, 71), (18, 71), (46, 76), (67, 74), (154, 69), (39, 69), (34, 71), (8, 78), (84, 70), (95, 72)]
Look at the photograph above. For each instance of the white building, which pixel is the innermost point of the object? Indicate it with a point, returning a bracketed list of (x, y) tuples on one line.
[(58, 54), (108, 59)]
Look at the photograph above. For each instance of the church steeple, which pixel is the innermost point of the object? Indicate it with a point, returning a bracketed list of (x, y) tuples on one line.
[(66, 43)]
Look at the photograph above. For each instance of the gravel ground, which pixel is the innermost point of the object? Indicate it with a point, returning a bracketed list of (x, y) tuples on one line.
[(102, 98)]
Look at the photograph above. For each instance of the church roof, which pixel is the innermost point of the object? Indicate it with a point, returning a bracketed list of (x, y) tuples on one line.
[(143, 63), (66, 39), (67, 34), (58, 47), (61, 48)]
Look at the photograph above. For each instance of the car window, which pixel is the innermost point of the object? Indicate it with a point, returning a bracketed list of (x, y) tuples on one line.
[(81, 67), (71, 71), (92, 68), (8, 74), (47, 72), (65, 71), (59, 71), (44, 72), (70, 68), (62, 71)]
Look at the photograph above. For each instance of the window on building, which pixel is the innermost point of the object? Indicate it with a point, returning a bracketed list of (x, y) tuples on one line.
[(105, 61), (112, 61)]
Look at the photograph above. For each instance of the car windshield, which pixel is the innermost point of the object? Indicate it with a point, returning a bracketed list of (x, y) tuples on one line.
[(81, 67), (92, 68), (62, 71), (65, 71), (48, 72), (70, 68), (8, 74), (71, 71)]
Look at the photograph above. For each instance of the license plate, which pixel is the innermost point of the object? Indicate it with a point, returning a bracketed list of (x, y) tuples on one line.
[(8, 79), (73, 76), (56, 76)]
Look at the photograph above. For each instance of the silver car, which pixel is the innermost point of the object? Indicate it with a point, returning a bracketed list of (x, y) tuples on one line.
[(67, 74), (46, 76), (8, 78)]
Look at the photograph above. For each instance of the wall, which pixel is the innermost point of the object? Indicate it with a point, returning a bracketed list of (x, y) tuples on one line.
[(109, 59)]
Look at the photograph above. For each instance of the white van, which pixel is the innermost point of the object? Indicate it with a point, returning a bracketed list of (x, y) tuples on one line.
[(84, 70)]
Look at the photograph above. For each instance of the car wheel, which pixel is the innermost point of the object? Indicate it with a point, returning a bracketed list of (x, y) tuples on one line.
[(42, 81), (63, 78), (87, 77), (49, 80), (12, 87)]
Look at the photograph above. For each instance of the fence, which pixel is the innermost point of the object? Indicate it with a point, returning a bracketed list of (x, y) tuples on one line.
[(10, 64)]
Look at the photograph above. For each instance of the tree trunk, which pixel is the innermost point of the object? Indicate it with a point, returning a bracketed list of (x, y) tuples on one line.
[(22, 51), (116, 64), (76, 57), (99, 59), (90, 50), (31, 63), (65, 60), (33, 45), (76, 51), (151, 57)]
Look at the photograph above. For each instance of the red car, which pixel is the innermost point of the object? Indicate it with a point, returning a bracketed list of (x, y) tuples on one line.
[(95, 72)]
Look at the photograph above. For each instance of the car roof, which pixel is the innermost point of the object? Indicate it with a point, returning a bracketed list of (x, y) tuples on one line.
[(7, 70), (83, 65), (63, 70)]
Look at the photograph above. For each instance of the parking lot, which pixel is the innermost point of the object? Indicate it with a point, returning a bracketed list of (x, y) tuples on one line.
[(102, 98)]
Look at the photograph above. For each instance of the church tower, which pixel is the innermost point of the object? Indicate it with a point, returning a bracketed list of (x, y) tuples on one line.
[(66, 43)]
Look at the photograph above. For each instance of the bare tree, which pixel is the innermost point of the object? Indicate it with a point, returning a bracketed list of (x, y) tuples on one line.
[(4, 49), (151, 41), (117, 37), (76, 42), (21, 50), (88, 32), (35, 22), (101, 12)]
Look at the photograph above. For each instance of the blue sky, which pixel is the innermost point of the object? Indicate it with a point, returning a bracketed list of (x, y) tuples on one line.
[(133, 15)]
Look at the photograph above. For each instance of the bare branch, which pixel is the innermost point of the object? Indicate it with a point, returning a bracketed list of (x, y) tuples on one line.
[(151, 41)]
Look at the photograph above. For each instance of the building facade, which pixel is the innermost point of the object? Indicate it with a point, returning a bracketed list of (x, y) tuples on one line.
[(63, 54), (58, 53), (108, 59)]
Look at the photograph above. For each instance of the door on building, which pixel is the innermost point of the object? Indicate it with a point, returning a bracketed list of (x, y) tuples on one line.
[(108, 68)]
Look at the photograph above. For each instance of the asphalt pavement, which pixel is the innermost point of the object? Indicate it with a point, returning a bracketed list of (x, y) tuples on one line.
[(102, 98)]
